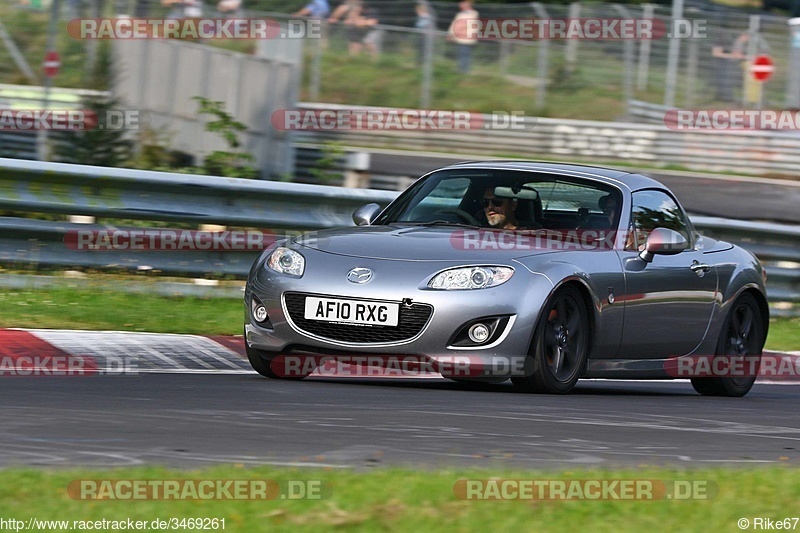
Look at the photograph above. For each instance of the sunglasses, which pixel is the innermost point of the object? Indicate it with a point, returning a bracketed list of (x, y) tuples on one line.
[(496, 202)]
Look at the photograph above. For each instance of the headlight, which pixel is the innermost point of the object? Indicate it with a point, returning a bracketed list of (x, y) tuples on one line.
[(465, 278), (286, 261)]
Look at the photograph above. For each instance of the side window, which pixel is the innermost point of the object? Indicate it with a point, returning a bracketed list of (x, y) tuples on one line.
[(656, 209), (577, 205)]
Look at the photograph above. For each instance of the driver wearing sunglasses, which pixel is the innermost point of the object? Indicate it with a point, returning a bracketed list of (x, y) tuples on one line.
[(500, 212)]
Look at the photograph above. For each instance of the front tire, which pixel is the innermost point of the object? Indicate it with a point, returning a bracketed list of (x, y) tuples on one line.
[(742, 336), (560, 345), (261, 362)]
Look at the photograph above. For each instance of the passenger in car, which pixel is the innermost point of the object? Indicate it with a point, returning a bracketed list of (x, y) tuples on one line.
[(608, 204)]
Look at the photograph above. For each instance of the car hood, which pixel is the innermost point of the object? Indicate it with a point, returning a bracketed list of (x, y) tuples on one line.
[(419, 243)]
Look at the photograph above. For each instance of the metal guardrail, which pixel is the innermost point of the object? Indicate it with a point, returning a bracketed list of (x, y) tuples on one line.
[(756, 152), (647, 112), (121, 194), (32, 97), (777, 246)]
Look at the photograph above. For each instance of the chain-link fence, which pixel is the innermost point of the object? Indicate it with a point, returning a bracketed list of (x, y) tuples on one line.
[(409, 60), (709, 65)]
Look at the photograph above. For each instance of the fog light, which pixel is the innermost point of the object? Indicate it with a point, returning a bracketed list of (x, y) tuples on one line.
[(478, 333), (260, 313)]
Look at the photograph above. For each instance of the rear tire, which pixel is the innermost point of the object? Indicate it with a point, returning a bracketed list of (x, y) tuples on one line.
[(560, 346), (742, 335)]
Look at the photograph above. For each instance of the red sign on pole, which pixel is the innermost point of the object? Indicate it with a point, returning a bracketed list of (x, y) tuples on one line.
[(52, 62), (762, 68)]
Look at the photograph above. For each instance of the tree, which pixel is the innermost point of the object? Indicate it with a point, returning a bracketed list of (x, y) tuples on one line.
[(233, 162)]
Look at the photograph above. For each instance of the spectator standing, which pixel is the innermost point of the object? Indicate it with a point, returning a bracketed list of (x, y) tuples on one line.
[(729, 71), (183, 8), (458, 34), (229, 7), (317, 9), (360, 22), (423, 22)]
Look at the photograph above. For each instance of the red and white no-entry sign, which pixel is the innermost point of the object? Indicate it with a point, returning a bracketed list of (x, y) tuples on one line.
[(762, 68), (51, 63)]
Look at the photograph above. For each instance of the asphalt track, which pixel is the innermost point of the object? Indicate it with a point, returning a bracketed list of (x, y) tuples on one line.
[(736, 197), (196, 420), (195, 402), (189, 415)]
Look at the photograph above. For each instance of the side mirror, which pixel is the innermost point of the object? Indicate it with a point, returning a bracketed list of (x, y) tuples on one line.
[(364, 215), (663, 241)]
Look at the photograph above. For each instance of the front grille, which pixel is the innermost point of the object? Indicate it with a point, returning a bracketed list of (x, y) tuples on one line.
[(410, 322)]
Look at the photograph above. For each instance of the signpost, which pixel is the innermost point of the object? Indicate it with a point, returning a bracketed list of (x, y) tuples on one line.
[(762, 68), (51, 64)]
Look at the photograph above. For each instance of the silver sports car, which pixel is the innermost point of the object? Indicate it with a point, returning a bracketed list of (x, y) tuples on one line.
[(542, 273)]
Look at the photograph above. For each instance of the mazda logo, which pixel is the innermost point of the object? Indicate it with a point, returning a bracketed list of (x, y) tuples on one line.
[(359, 275)]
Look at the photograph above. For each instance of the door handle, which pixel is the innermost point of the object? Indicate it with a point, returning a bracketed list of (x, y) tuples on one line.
[(699, 268)]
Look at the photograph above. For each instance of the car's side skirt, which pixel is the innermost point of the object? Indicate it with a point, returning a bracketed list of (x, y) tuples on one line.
[(632, 368)]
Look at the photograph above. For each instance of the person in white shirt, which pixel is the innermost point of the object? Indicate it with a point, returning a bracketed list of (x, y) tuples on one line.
[(458, 34)]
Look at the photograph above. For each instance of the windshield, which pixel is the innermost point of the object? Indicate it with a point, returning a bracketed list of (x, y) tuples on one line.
[(504, 199)]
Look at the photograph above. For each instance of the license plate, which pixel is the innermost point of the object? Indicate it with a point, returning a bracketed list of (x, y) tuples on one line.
[(352, 311)]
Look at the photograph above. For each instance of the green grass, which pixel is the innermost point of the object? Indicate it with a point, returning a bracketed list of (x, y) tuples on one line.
[(784, 334), (413, 500), (99, 309), (394, 79), (96, 307)]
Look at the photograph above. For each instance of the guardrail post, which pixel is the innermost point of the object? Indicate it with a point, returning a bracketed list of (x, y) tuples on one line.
[(356, 167), (48, 80)]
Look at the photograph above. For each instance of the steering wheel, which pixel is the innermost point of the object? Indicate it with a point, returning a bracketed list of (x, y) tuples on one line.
[(460, 213)]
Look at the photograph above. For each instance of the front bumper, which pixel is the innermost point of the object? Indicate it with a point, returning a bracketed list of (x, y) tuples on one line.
[(405, 282)]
